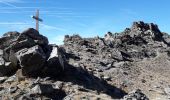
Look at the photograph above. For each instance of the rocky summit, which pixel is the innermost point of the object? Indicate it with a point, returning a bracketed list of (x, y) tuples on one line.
[(131, 65)]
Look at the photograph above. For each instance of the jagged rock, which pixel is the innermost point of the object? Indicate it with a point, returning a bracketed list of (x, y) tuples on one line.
[(11, 79), (136, 95), (6, 68), (33, 34), (8, 39), (69, 39), (144, 29), (119, 55), (21, 44), (42, 89), (55, 62), (31, 59), (116, 54), (29, 38), (109, 38)]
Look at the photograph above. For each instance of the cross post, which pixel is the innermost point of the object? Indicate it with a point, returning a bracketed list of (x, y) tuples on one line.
[(37, 20)]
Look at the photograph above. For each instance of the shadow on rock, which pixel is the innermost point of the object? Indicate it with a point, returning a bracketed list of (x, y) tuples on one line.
[(56, 95), (83, 78)]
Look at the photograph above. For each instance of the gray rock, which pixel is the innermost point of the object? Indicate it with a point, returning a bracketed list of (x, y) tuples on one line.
[(58, 85), (1, 52), (32, 59), (8, 39), (6, 68), (167, 91), (21, 44), (33, 34), (56, 62), (135, 95), (116, 54), (2, 91), (13, 89), (11, 79), (20, 75), (42, 89), (2, 79)]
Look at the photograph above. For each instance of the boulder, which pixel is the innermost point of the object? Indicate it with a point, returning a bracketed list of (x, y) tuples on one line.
[(146, 29), (6, 67), (109, 39), (30, 38), (31, 59), (18, 45), (56, 61), (7, 39), (116, 54), (33, 34), (12, 42)]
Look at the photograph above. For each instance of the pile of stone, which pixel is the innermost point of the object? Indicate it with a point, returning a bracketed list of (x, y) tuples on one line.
[(30, 52), (83, 68)]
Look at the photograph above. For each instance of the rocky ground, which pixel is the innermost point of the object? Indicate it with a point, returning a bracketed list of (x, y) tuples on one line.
[(131, 65)]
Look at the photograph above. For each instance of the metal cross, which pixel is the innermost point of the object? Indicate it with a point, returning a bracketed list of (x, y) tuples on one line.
[(37, 20)]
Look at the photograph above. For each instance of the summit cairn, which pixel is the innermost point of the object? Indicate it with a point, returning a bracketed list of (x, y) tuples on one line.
[(28, 51)]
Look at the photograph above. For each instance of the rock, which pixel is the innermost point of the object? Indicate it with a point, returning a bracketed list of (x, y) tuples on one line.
[(26, 97), (116, 54), (30, 38), (69, 97), (6, 68), (8, 39), (42, 89), (140, 26), (135, 95), (58, 85), (33, 34), (72, 39), (146, 29), (109, 39), (1, 52), (20, 75), (100, 42), (11, 79), (107, 78), (167, 91), (13, 89), (2, 79), (21, 44), (55, 62), (32, 59), (2, 91)]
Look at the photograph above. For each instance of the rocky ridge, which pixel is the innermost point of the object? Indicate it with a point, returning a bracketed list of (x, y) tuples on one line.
[(131, 65)]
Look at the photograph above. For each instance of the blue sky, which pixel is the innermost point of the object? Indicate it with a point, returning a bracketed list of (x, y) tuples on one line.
[(88, 18)]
